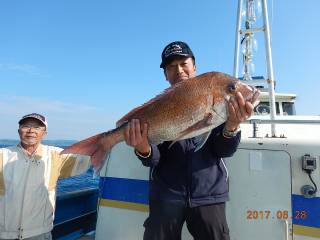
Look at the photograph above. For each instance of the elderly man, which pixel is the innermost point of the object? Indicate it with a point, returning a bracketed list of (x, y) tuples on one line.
[(28, 178), (187, 185)]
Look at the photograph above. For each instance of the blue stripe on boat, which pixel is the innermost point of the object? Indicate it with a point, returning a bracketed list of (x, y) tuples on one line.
[(311, 206), (124, 189)]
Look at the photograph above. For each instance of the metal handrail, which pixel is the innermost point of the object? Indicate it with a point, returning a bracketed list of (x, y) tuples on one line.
[(283, 121), (77, 217), (287, 232)]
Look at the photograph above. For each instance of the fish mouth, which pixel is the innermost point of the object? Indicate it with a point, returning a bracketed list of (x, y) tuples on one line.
[(252, 94), (255, 95)]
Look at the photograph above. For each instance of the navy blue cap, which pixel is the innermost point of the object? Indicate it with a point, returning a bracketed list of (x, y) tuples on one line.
[(177, 48)]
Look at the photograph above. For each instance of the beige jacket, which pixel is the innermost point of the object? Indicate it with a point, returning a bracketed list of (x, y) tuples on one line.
[(28, 188)]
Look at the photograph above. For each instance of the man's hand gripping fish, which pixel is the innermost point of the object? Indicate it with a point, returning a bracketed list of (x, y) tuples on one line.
[(187, 109)]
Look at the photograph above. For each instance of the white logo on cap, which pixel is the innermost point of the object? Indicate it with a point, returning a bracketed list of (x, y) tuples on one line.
[(175, 48)]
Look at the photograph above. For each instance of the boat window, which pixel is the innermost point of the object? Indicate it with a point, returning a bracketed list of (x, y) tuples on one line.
[(263, 108), (288, 108)]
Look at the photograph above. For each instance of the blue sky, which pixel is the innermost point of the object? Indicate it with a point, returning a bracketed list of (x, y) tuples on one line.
[(84, 64)]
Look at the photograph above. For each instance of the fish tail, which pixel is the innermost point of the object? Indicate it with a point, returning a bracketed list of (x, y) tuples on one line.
[(97, 147)]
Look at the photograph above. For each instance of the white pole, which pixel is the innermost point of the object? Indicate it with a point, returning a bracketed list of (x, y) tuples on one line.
[(237, 44), (269, 67)]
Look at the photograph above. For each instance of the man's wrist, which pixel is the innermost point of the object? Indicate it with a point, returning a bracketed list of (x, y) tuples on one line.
[(229, 134), (143, 154), (231, 127)]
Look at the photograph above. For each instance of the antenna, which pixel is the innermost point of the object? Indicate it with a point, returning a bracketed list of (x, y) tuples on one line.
[(248, 43)]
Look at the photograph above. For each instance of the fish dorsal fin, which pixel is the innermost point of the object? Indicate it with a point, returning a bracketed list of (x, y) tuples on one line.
[(167, 91)]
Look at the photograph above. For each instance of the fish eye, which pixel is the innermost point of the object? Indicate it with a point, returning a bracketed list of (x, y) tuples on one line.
[(232, 88)]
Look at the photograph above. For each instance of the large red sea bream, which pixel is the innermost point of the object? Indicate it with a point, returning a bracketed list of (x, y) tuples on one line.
[(187, 109)]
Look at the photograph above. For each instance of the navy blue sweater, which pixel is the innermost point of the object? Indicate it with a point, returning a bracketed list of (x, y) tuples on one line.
[(180, 175)]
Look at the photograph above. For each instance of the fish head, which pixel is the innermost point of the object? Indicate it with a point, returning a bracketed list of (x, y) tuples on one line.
[(249, 92), (230, 86)]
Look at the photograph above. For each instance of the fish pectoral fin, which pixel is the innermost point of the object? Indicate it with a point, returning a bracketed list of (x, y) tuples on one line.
[(203, 139), (205, 122), (220, 110)]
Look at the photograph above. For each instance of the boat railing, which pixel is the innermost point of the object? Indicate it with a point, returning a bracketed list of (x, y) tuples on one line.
[(283, 121)]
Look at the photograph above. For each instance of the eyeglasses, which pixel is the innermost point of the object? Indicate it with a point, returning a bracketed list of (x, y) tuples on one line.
[(27, 127)]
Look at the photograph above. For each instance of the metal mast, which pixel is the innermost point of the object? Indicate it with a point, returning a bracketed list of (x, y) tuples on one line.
[(248, 43)]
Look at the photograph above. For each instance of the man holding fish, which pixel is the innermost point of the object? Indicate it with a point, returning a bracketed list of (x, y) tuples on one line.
[(182, 134), (188, 177)]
